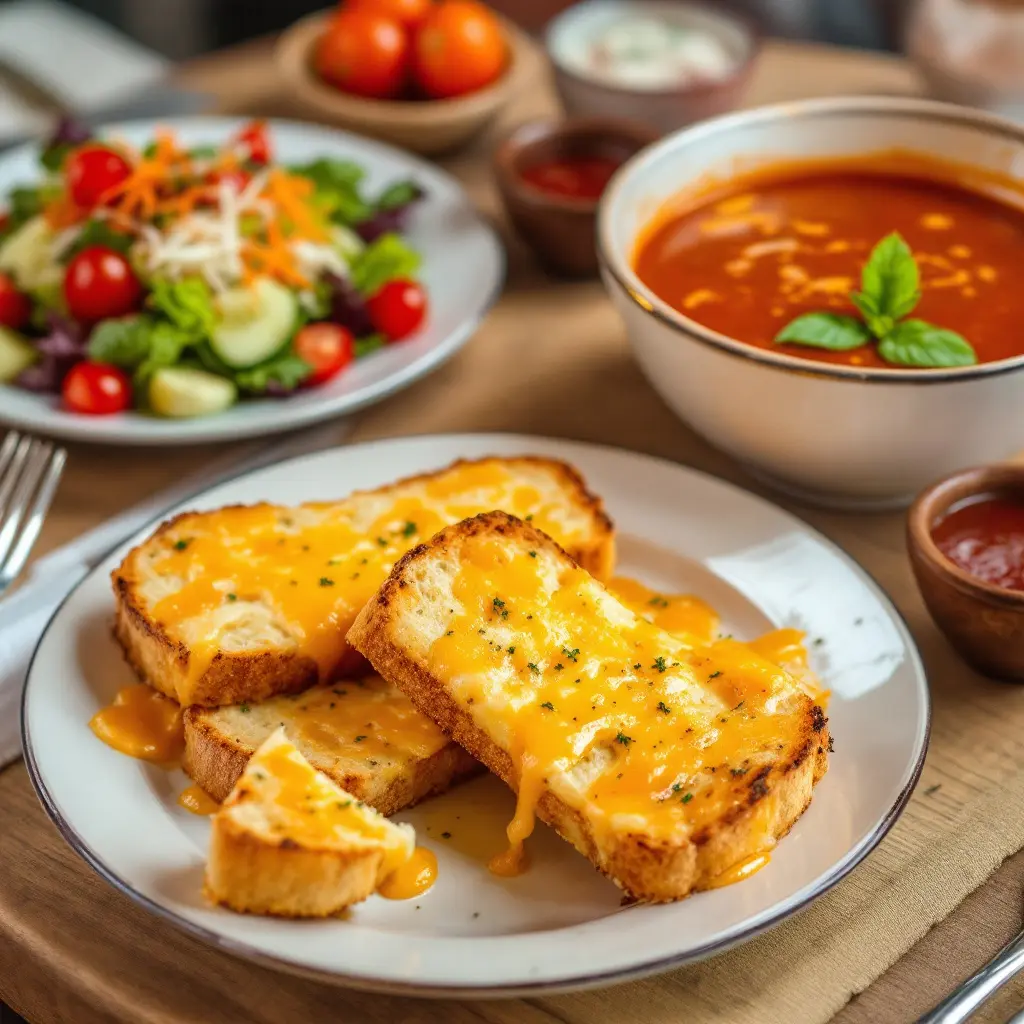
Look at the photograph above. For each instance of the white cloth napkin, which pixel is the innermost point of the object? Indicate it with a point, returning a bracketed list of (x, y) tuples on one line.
[(25, 614)]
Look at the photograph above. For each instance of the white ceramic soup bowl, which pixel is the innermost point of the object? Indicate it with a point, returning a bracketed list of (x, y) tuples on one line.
[(834, 435)]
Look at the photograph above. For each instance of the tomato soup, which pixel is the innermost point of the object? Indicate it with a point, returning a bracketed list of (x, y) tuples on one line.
[(579, 177), (748, 258), (985, 537)]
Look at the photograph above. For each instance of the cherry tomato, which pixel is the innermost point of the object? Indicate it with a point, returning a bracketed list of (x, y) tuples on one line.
[(398, 309), (96, 389), (328, 348), (99, 283), (256, 139), (15, 306), (408, 13), (363, 53), (459, 48), (92, 171)]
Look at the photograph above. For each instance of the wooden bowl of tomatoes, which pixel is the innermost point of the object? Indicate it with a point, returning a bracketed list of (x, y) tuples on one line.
[(426, 75)]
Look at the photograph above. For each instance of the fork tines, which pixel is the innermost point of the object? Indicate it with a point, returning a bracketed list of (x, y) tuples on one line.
[(29, 472)]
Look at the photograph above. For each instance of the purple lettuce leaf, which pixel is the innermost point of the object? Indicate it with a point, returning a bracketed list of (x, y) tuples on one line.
[(60, 348), (348, 308)]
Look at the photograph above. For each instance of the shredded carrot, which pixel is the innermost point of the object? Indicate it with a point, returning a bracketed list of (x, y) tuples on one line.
[(63, 213)]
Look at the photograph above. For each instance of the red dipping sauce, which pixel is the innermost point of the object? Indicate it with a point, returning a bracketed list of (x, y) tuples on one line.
[(576, 177), (985, 537)]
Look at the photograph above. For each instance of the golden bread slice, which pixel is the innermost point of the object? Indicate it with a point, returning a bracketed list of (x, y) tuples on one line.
[(363, 734), (290, 843), (244, 603), (672, 766)]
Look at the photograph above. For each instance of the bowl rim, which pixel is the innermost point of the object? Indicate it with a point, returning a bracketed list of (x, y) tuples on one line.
[(748, 25), (935, 500), (505, 156), (292, 56), (617, 266)]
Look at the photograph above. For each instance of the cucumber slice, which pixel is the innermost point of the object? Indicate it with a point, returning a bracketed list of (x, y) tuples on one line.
[(16, 354), (28, 256), (254, 322), (348, 244), (183, 392)]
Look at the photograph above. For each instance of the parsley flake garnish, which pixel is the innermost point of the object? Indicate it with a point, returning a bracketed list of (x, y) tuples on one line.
[(532, 667), (446, 835), (659, 664), (664, 708), (529, 518), (559, 667), (359, 739), (511, 649), (325, 581), (382, 541), (714, 675), (232, 597), (547, 704), (676, 786), (180, 545), (499, 606), (687, 797), (658, 601), (244, 708), (533, 554), (623, 739), (573, 655), (409, 529)]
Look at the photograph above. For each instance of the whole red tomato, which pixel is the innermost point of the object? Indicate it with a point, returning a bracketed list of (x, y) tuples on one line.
[(408, 13), (92, 171), (15, 305), (255, 138), (460, 47), (328, 348), (96, 389), (398, 309), (100, 283), (363, 53)]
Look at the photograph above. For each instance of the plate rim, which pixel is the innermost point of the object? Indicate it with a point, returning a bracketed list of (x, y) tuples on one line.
[(840, 870), (51, 426)]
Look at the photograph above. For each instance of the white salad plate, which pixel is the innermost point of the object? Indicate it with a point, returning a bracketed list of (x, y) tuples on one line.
[(560, 925), (463, 269)]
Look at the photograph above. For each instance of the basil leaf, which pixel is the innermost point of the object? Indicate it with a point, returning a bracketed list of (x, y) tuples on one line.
[(890, 280), (916, 343), (825, 330)]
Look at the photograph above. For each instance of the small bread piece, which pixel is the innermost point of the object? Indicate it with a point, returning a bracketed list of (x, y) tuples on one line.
[(364, 734), (290, 843), (668, 764), (244, 603)]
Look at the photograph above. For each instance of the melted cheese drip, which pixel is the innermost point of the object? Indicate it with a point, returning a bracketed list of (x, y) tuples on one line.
[(677, 613), (316, 566), (413, 878), (741, 871), (142, 723), (653, 730), (364, 719), (198, 801)]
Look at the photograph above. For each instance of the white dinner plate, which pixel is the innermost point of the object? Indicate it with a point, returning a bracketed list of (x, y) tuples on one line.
[(560, 925), (463, 271)]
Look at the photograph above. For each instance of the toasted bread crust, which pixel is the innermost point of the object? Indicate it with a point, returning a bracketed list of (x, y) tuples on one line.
[(254, 876), (647, 869), (232, 677), (215, 761)]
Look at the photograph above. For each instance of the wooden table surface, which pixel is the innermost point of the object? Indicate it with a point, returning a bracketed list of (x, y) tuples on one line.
[(73, 950)]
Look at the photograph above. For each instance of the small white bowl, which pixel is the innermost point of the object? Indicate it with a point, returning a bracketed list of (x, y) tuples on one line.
[(585, 94), (833, 435)]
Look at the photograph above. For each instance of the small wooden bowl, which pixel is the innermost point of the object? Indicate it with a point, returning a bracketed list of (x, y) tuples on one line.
[(423, 126), (559, 229), (983, 622)]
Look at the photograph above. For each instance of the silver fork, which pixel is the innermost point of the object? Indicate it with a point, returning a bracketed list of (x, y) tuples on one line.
[(30, 470)]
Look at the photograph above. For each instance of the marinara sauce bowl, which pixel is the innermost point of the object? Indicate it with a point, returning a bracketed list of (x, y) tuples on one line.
[(985, 623), (560, 228), (844, 436)]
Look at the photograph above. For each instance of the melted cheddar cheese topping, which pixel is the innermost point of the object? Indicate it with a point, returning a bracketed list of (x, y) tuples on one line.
[(363, 720), (243, 578), (142, 723), (294, 802), (652, 730)]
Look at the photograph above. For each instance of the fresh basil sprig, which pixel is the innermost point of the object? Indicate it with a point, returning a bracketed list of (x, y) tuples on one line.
[(890, 289)]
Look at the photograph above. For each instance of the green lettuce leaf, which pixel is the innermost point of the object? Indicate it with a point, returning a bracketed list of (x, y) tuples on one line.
[(187, 304), (337, 189), (284, 373), (383, 260)]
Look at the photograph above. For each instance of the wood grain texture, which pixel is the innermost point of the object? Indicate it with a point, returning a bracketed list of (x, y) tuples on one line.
[(72, 949)]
